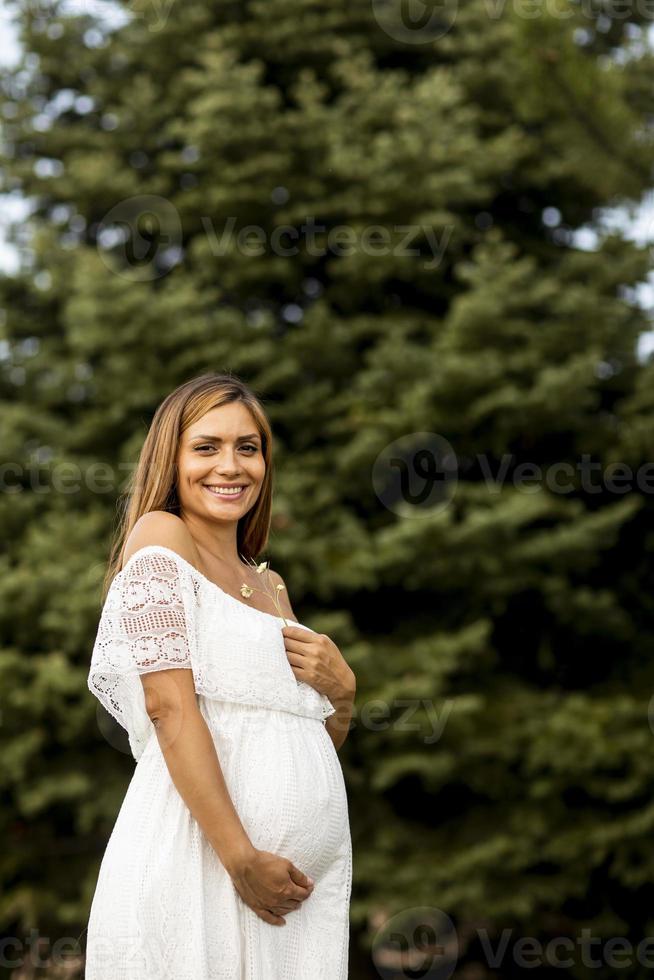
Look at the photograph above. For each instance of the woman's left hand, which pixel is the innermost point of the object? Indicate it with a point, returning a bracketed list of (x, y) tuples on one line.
[(316, 660)]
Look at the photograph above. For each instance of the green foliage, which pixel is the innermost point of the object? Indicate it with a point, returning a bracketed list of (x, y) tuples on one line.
[(517, 620)]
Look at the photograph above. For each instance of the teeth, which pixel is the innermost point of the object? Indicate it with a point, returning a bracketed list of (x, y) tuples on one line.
[(225, 492)]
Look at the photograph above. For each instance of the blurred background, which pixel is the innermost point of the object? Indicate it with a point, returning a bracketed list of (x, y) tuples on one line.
[(421, 232)]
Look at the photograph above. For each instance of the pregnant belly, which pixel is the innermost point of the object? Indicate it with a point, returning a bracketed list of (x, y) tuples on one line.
[(285, 780)]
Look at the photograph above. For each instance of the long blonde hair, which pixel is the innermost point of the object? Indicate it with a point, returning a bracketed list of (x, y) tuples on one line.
[(153, 485)]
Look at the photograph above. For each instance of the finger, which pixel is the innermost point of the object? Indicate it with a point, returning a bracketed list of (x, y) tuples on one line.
[(299, 878), (284, 907), (301, 647), (271, 917), (297, 892), (299, 641), (295, 631)]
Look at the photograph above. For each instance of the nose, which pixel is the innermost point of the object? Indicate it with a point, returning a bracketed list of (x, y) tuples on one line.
[(229, 465)]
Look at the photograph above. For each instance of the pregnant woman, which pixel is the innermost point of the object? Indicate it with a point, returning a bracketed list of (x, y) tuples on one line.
[(231, 855)]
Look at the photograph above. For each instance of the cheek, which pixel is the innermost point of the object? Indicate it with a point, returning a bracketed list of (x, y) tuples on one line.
[(258, 469), (192, 470)]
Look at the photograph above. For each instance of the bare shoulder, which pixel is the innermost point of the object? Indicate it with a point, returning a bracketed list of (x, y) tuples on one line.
[(160, 527), (284, 598)]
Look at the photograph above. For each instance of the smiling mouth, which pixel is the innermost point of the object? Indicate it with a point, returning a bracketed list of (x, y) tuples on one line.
[(226, 493)]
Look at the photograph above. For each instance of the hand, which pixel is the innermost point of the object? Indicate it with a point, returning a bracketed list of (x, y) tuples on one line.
[(270, 885), (316, 660)]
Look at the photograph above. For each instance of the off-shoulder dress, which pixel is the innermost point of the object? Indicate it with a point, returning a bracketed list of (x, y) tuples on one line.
[(164, 907)]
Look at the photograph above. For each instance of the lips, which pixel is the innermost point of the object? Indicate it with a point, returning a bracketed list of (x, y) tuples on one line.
[(227, 496)]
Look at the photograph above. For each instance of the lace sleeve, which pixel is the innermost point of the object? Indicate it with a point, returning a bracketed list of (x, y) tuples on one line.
[(147, 623)]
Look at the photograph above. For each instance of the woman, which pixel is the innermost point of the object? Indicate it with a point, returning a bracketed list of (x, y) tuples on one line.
[(231, 853)]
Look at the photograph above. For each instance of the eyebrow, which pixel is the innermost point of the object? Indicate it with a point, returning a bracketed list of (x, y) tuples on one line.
[(252, 435)]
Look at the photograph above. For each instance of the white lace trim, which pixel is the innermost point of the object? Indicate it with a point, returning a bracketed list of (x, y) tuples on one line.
[(161, 613)]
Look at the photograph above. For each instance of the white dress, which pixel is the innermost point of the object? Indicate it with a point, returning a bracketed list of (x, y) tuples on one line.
[(164, 907)]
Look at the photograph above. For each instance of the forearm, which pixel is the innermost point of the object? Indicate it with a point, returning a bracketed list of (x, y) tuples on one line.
[(338, 724), (190, 754)]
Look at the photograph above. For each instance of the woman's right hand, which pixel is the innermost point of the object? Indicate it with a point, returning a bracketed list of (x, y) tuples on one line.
[(270, 885)]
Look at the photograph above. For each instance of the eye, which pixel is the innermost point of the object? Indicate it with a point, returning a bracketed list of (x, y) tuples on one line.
[(246, 446)]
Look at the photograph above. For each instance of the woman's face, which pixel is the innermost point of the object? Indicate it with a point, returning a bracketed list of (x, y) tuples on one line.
[(221, 450)]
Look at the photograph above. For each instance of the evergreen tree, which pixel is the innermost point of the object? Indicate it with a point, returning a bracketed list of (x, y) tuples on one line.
[(432, 179)]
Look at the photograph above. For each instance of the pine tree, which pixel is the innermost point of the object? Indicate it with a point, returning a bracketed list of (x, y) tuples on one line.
[(428, 281)]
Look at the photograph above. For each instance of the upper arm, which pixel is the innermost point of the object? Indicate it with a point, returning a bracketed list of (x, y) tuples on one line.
[(284, 598), (169, 688)]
